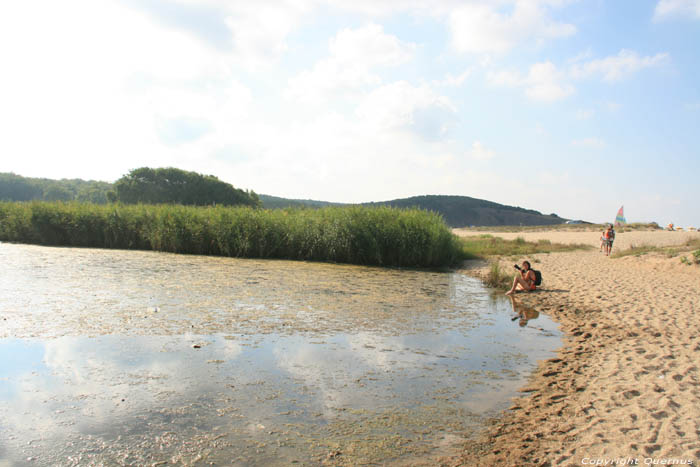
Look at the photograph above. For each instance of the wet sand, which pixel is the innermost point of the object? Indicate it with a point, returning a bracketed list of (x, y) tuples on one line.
[(626, 384)]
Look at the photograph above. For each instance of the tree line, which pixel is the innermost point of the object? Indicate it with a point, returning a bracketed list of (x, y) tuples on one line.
[(143, 185)]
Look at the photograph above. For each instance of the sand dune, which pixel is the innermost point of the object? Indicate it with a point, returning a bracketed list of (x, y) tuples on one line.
[(627, 381)]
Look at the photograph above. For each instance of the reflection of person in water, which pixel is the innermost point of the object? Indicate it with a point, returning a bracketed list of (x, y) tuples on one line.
[(524, 313)]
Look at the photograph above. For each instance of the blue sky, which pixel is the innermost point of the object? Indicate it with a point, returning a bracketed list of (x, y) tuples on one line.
[(564, 106)]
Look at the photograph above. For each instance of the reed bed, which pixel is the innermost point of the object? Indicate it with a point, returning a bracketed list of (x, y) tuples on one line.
[(483, 246), (381, 236)]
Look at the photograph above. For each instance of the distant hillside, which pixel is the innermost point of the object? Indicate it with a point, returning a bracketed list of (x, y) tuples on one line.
[(144, 185), (463, 211), (17, 188), (458, 211), (275, 202)]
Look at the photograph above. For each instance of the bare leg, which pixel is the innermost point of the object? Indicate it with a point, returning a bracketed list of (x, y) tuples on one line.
[(518, 281)]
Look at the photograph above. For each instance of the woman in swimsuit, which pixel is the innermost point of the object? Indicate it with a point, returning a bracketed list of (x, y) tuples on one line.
[(525, 280)]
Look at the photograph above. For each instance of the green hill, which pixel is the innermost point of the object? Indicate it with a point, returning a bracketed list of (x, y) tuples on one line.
[(17, 188), (463, 211), (458, 211), (275, 202)]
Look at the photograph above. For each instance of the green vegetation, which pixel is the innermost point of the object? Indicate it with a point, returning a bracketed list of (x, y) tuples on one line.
[(144, 185), (17, 188), (493, 248), (668, 251), (461, 211), (498, 278), (170, 185), (458, 211), (275, 202), (379, 236), (636, 250), (635, 226), (483, 246), (585, 227)]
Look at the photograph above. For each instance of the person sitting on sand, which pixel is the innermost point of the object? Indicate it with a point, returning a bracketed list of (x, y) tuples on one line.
[(525, 280)]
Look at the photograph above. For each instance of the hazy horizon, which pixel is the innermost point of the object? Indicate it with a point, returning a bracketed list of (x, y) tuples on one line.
[(561, 106)]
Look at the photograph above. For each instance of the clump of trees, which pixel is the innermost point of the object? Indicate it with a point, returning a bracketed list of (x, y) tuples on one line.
[(175, 186), (17, 188), (143, 185)]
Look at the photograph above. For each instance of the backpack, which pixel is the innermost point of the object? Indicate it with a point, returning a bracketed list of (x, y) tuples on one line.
[(538, 277)]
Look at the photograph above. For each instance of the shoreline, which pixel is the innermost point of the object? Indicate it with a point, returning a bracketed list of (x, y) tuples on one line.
[(625, 382)]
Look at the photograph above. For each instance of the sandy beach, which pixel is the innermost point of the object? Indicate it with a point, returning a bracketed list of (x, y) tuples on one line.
[(625, 387)]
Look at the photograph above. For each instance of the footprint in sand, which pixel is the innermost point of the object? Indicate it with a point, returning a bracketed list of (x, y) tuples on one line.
[(660, 415), (651, 449)]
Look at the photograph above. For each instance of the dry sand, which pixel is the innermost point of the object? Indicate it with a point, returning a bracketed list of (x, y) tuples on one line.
[(626, 385)]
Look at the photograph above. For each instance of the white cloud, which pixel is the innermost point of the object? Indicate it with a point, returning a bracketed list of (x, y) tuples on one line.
[(253, 34), (509, 79), (595, 143), (584, 114), (616, 67), (541, 130), (260, 29), (398, 129), (401, 106), (611, 106), (484, 28), (544, 82), (546, 177), (354, 56), (109, 99), (667, 9), (455, 81), (480, 152)]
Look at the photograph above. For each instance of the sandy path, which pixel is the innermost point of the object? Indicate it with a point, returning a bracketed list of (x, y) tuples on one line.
[(627, 381)]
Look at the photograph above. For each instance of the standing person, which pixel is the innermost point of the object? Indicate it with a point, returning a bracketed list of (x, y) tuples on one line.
[(525, 280), (609, 236), (602, 239)]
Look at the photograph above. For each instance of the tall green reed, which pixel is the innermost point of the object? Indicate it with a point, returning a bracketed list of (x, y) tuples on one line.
[(374, 236)]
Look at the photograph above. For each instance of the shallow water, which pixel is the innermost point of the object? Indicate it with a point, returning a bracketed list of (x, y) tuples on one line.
[(123, 357)]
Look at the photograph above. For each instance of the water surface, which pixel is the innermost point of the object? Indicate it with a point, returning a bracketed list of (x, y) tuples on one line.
[(123, 357)]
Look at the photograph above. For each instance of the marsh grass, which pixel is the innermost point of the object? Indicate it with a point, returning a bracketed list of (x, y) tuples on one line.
[(496, 248), (483, 246), (695, 258), (381, 236), (669, 251), (498, 278)]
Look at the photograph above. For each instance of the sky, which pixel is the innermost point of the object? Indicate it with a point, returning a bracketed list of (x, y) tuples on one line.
[(563, 106)]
